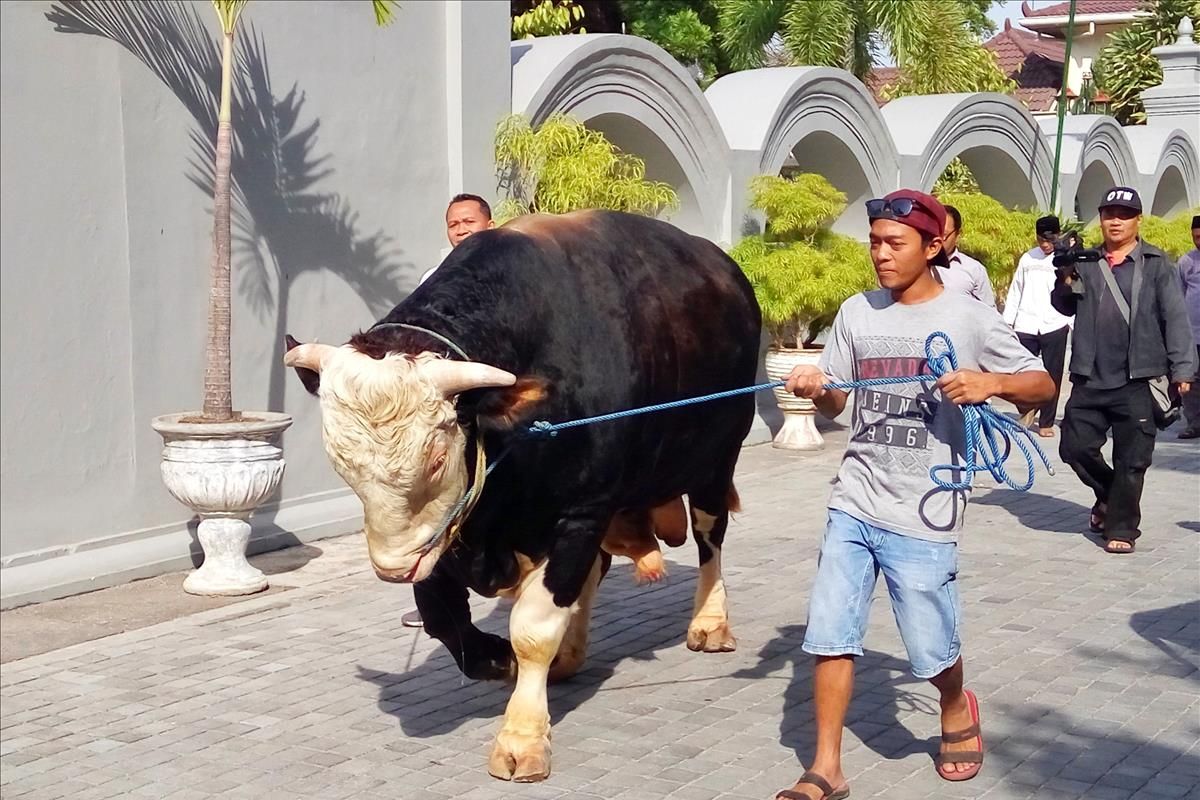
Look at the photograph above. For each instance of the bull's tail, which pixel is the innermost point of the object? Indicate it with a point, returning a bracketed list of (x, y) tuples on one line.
[(732, 501)]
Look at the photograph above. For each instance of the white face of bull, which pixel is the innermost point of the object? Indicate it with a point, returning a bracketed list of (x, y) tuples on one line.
[(391, 432)]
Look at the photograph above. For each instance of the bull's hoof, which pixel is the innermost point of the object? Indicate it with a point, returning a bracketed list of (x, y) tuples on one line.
[(710, 636), (523, 758), (649, 568)]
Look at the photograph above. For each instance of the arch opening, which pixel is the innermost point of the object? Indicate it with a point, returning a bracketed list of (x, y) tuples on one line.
[(1170, 197), (825, 154), (999, 176), (1096, 179), (634, 138)]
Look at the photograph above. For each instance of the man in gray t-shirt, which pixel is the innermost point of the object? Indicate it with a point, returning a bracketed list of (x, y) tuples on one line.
[(885, 514)]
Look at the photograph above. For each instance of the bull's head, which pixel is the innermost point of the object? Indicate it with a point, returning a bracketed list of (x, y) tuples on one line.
[(391, 431)]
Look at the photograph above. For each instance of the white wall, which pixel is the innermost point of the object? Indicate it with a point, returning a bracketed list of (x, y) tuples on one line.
[(106, 246)]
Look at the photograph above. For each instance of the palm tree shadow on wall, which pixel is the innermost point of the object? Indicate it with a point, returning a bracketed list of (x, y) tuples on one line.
[(284, 223)]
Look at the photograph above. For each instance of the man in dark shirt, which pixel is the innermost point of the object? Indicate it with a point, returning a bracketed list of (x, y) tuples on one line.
[(1117, 347)]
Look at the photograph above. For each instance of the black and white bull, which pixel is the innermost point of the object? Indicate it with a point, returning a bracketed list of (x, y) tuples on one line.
[(561, 317)]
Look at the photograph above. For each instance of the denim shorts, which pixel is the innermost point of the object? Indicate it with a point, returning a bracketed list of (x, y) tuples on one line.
[(920, 578)]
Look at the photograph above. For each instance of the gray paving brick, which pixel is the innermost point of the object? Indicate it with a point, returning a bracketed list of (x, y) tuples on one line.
[(322, 694)]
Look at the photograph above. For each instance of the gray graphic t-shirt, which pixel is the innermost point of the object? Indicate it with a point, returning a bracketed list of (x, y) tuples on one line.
[(898, 432)]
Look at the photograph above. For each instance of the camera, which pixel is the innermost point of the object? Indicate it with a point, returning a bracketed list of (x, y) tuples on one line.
[(1069, 251)]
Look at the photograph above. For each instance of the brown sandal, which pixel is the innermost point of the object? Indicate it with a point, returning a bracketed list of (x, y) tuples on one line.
[(827, 792), (1115, 546), (963, 757)]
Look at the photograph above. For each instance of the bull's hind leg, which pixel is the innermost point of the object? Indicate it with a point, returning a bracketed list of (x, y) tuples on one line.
[(709, 629), (573, 651)]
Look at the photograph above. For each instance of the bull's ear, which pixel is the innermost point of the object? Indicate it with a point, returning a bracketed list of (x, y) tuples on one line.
[(510, 406), (294, 357)]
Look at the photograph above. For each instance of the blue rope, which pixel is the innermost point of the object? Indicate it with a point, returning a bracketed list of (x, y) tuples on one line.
[(989, 435)]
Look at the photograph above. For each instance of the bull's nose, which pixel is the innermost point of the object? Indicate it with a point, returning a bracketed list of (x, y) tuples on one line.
[(393, 575), (396, 574)]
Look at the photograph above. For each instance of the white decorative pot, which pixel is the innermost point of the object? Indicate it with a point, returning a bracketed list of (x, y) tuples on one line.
[(223, 471), (799, 431)]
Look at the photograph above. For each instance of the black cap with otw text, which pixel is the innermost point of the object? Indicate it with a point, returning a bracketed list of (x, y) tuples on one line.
[(1122, 196)]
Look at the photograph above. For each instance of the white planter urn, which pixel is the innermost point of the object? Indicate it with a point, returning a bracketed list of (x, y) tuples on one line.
[(799, 431), (223, 471)]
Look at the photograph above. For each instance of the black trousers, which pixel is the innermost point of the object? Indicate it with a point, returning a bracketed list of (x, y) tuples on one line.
[(1052, 347), (1090, 414)]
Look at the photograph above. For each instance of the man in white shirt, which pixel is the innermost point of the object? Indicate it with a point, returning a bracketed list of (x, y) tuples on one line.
[(964, 274), (1040, 328)]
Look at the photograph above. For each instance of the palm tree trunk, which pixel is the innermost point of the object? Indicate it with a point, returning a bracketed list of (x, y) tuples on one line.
[(218, 402)]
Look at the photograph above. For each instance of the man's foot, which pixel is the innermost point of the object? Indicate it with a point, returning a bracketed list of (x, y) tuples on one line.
[(1096, 518), (1046, 433), (815, 786), (412, 619), (961, 753), (1118, 546), (1190, 432)]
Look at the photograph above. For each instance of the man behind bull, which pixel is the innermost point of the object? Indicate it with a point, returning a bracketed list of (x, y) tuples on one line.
[(884, 512), (1119, 343)]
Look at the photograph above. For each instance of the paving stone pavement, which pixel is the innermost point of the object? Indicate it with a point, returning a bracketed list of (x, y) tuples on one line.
[(1086, 665)]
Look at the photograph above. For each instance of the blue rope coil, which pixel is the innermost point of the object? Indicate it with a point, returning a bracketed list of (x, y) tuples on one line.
[(989, 435)]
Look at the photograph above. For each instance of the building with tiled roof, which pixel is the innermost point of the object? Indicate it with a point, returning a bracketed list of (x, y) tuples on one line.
[(1095, 21)]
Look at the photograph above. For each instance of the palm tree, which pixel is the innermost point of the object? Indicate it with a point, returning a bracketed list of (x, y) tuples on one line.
[(855, 34), (218, 403)]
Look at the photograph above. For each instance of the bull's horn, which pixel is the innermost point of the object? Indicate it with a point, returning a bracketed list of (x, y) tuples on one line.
[(309, 356), (454, 377)]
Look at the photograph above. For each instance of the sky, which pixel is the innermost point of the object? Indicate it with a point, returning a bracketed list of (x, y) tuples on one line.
[(1011, 9)]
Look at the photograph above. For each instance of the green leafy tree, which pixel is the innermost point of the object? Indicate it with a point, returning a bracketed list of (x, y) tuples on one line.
[(956, 178), (218, 402), (687, 29), (564, 166), (548, 18), (854, 35), (1125, 68), (801, 272)]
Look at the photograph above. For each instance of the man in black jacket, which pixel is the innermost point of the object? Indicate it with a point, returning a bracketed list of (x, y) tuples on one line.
[(1119, 345)]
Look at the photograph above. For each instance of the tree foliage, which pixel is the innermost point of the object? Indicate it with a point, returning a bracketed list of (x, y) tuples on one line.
[(564, 166), (547, 18), (934, 41), (801, 272), (956, 178), (1125, 68)]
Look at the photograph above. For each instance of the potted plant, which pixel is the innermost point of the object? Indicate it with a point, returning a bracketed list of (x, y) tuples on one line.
[(801, 273), (219, 462)]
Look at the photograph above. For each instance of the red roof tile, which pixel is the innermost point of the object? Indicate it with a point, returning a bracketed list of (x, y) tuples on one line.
[(1083, 7), (1013, 49), (1037, 100)]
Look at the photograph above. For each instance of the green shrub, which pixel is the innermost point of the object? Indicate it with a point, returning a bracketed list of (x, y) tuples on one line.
[(800, 270)]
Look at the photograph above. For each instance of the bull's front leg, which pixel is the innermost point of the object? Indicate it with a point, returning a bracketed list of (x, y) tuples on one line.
[(548, 598), (444, 604)]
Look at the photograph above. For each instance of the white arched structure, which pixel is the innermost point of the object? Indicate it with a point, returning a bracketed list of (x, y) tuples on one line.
[(817, 119), (1095, 157), (644, 102), (994, 135), (1169, 166)]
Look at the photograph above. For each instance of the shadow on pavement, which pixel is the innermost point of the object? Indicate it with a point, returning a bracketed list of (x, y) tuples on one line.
[(1039, 512), (1175, 630), (628, 622), (880, 694)]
